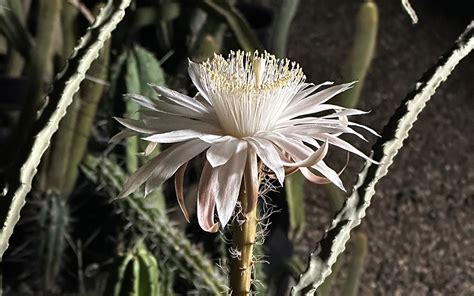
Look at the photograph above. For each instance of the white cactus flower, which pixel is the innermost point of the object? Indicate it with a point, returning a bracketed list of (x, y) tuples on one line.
[(247, 103)]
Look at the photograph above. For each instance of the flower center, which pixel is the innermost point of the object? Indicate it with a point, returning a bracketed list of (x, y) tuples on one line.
[(249, 91)]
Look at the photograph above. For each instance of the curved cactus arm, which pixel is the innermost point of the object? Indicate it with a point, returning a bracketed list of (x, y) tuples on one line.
[(66, 85), (394, 133), (411, 12)]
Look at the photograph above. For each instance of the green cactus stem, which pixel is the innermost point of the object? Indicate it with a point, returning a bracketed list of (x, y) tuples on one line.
[(134, 274), (362, 52), (40, 68), (150, 220), (285, 14), (24, 168)]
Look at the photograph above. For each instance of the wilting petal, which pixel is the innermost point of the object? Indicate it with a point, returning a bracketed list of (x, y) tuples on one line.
[(330, 174), (219, 153), (314, 158), (229, 180), (269, 156), (170, 162), (135, 125), (313, 178), (207, 194), (343, 145), (150, 148), (178, 186)]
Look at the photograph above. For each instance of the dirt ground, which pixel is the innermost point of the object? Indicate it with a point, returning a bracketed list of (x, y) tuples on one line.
[(420, 225)]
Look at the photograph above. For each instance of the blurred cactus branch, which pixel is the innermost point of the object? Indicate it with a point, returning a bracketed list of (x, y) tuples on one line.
[(356, 267), (13, 28), (384, 151), (227, 12), (24, 168), (15, 61), (91, 92), (208, 40), (362, 52), (284, 16), (40, 72)]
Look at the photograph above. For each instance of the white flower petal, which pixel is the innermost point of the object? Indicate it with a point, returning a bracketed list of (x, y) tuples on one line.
[(307, 89), (219, 153), (329, 173), (174, 97), (207, 195), (343, 145), (194, 74), (174, 136), (311, 160), (312, 103), (269, 156), (229, 180), (161, 106), (170, 162)]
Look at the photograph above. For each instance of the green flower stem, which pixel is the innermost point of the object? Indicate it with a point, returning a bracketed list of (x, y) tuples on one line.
[(243, 239), (40, 71)]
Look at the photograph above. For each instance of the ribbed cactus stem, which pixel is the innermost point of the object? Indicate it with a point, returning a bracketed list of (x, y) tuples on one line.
[(245, 228)]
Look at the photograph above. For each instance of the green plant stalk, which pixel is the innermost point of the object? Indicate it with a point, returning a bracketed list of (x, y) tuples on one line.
[(359, 249), (57, 162), (18, 183), (295, 198), (54, 224), (362, 52), (40, 68), (336, 197), (208, 40), (132, 108), (54, 166), (244, 34), (152, 222), (384, 151), (286, 12), (13, 28), (244, 230), (326, 287), (15, 61), (91, 93)]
